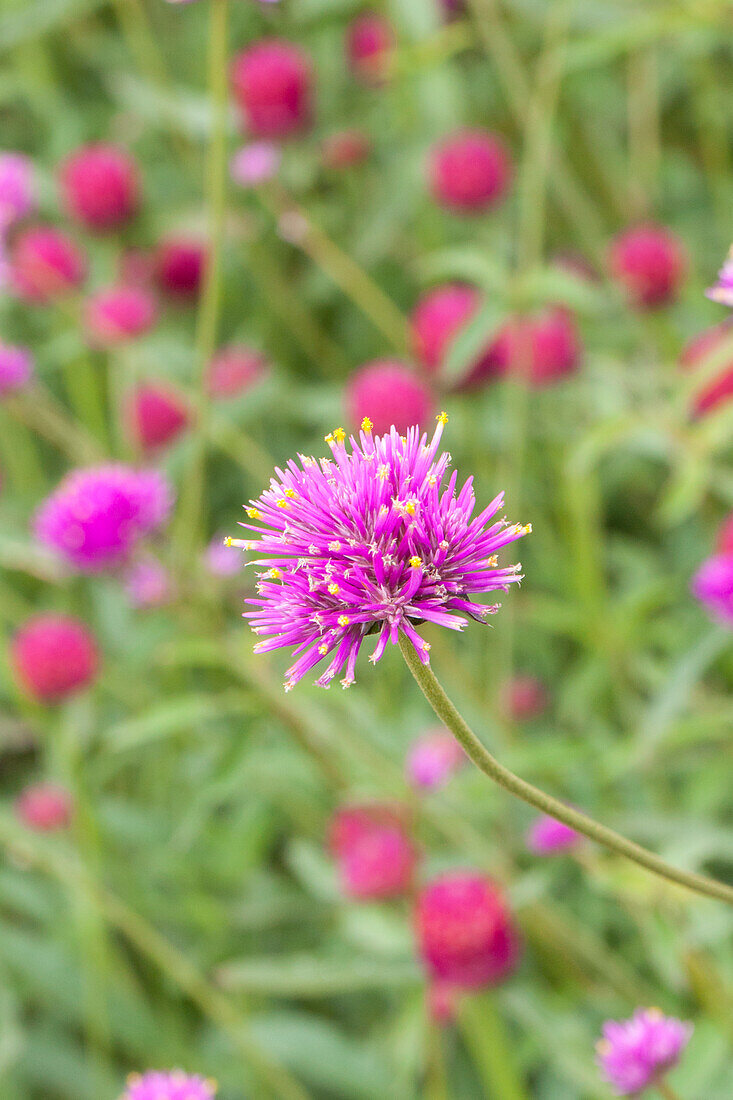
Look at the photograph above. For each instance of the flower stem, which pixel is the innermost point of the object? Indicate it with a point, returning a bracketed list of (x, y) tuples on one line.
[(666, 1090), (485, 762)]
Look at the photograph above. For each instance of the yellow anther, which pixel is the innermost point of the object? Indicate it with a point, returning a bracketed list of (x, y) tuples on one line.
[(426, 647), (333, 588), (493, 561), (323, 649), (339, 435), (275, 574), (442, 418), (366, 424), (383, 471), (328, 438), (228, 540), (525, 529), (290, 493), (283, 503), (410, 508), (254, 513), (432, 480), (343, 620), (415, 562)]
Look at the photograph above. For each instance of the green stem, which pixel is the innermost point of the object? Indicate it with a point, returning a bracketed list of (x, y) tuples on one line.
[(485, 762), (485, 1036), (666, 1090)]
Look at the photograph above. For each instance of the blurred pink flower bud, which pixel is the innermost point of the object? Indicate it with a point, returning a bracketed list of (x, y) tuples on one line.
[(388, 392), (469, 171), (16, 369), (54, 656), (272, 82), (548, 836), (649, 263), (44, 807), (255, 163), (100, 186), (433, 759)]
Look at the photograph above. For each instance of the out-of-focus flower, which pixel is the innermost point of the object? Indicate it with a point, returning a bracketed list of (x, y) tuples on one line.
[(543, 348), (375, 855), (156, 415), (438, 318), (45, 264), (724, 541), (470, 171), (345, 149), (372, 541), (433, 759), (100, 186), (179, 264), (54, 656), (388, 392), (634, 1054), (136, 267), (16, 368), (649, 263), (255, 163), (464, 930), (17, 191), (547, 836), (148, 583), (718, 390), (713, 586), (175, 1085), (370, 43), (98, 515), (234, 370), (222, 559), (118, 314), (272, 82), (523, 698), (443, 999), (44, 807), (722, 292)]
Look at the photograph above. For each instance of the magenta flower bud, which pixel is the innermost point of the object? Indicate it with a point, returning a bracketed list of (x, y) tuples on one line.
[(634, 1054), (179, 266), (375, 856), (17, 191), (46, 264), (272, 83), (54, 656), (175, 1085), (148, 583), (156, 415), (345, 149), (16, 369), (438, 319), (547, 836), (235, 370), (119, 314), (649, 263), (97, 516), (255, 164), (222, 559), (389, 393), (100, 186), (464, 930), (542, 349), (44, 808), (349, 823), (713, 586), (523, 698), (469, 172), (724, 541), (722, 292), (718, 390), (370, 43), (433, 759)]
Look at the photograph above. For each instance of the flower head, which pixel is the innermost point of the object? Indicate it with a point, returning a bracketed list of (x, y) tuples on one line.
[(16, 368), (118, 314), (54, 656), (234, 370), (44, 807), (470, 171), (175, 1085), (723, 290), (45, 264), (649, 263), (375, 855), (713, 586), (374, 540), (389, 393), (370, 42), (100, 186), (97, 515), (17, 192), (255, 163), (635, 1053), (272, 81), (547, 836), (433, 759), (156, 415), (179, 264)]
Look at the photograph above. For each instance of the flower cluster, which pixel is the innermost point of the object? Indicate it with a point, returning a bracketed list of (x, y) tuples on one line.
[(371, 541), (635, 1053)]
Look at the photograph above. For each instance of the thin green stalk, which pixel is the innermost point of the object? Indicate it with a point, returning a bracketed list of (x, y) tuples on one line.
[(545, 803), (83, 382), (664, 1089), (485, 1036)]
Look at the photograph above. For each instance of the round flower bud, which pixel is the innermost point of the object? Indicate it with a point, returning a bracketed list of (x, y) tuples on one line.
[(370, 42), (388, 392), (272, 82), (375, 856), (234, 370), (179, 265), (44, 807), (156, 415), (469, 172), (547, 836), (438, 319), (543, 348), (634, 1054), (119, 314), (54, 656), (100, 186), (649, 263), (433, 759), (45, 264)]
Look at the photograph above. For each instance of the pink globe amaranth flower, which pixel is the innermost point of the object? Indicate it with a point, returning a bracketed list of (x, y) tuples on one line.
[(634, 1054), (464, 930), (156, 415), (433, 759), (548, 836), (437, 320), (370, 43), (543, 349), (443, 1001), (389, 393), (255, 163), (17, 190), (376, 858), (100, 186), (724, 541), (16, 368), (712, 585), (54, 656), (469, 171), (119, 314), (98, 515), (179, 264), (222, 559), (372, 541), (722, 292), (272, 84), (174, 1085), (234, 370), (148, 583), (523, 698), (718, 390), (44, 807), (45, 264), (649, 263), (345, 149), (350, 822)]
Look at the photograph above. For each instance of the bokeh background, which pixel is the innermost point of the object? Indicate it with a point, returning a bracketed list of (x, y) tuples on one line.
[(188, 909)]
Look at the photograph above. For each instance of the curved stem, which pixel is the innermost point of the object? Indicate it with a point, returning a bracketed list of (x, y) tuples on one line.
[(486, 763), (666, 1090)]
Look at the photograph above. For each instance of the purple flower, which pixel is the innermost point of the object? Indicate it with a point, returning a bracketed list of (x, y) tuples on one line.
[(723, 290), (17, 196), (97, 515), (433, 759), (255, 163), (168, 1086), (548, 835), (222, 559), (713, 586), (635, 1053), (371, 541), (147, 583), (16, 368)]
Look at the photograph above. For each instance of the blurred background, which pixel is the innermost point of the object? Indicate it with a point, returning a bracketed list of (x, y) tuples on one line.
[(227, 227)]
